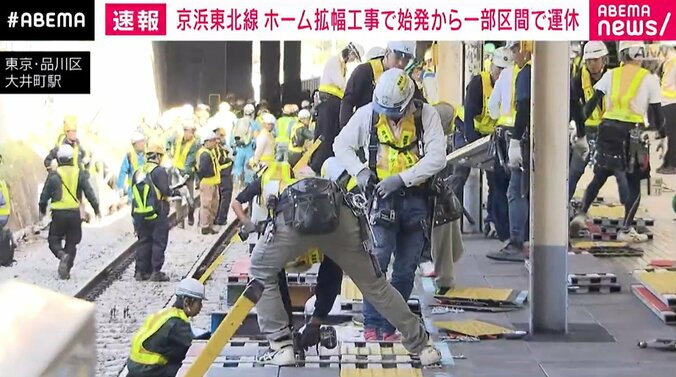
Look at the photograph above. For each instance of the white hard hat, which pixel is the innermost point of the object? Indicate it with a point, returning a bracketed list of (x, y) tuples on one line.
[(269, 119), (207, 135), (356, 49), (502, 57), (405, 47), (303, 114), (374, 52), (332, 169), (594, 50), (224, 106), (190, 287), (393, 93), (305, 103), (65, 152), (635, 49), (136, 137), (249, 109)]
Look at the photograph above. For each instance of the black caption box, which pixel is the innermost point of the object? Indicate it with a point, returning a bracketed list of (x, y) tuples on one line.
[(30, 20), (45, 72)]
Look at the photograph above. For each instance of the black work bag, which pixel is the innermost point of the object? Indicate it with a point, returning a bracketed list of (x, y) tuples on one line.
[(312, 205)]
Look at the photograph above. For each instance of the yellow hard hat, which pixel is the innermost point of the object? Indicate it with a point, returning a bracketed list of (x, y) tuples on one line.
[(69, 123), (156, 147)]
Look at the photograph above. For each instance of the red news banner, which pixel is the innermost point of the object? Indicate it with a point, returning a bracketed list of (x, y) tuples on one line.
[(632, 20)]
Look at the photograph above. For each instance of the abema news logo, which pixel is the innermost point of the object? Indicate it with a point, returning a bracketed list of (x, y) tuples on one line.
[(632, 20)]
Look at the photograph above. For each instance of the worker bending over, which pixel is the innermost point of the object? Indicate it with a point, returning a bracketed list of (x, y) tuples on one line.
[(631, 94), (160, 345), (405, 146), (183, 152), (63, 191)]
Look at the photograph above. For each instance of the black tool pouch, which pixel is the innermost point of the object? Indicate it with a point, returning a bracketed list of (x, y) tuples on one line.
[(447, 207), (312, 206)]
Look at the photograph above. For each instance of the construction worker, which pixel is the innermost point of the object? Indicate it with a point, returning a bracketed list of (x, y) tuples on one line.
[(576, 60), (343, 245), (374, 52), (160, 345), (518, 162), (284, 125), (669, 107), (362, 81), (224, 119), (595, 58), (477, 124), (489, 49), (183, 151), (150, 211), (7, 245), (225, 170), (243, 144), (265, 142), (328, 101), (64, 187), (202, 114), (301, 134), (631, 94), (428, 78), (209, 178), (131, 162), (401, 170), (69, 136)]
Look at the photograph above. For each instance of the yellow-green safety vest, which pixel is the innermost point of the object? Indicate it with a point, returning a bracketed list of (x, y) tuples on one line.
[(220, 152), (624, 84), (294, 129), (508, 120), (391, 161), (214, 180), (668, 91), (181, 152), (151, 325), (140, 204), (69, 179), (377, 69), (334, 89), (6, 208), (483, 122), (283, 129), (588, 90)]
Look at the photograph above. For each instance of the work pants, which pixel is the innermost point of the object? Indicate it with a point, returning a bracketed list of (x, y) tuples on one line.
[(633, 198), (447, 248), (344, 247), (153, 236), (669, 112), (66, 226), (328, 127), (208, 204), (189, 210), (225, 189)]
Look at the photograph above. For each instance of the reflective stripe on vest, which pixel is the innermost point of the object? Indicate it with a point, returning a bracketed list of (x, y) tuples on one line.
[(588, 90), (152, 324), (624, 83), (216, 178), (69, 179), (668, 92), (140, 203), (283, 129), (181, 153), (391, 161), (507, 120), (377, 69), (332, 89), (483, 122), (6, 208)]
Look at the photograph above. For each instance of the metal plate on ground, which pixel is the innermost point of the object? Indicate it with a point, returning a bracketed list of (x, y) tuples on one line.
[(661, 310), (605, 249), (577, 333)]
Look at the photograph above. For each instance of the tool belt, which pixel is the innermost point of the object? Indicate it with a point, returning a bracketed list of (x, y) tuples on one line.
[(613, 144), (311, 206), (500, 142), (447, 208)]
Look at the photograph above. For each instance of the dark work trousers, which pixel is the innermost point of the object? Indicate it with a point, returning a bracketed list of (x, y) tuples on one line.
[(670, 127), (225, 189), (66, 225), (328, 127), (153, 236), (328, 287), (283, 290), (497, 205), (633, 198)]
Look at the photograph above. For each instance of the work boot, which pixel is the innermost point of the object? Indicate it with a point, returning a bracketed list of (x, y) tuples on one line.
[(667, 170), (158, 276), (191, 220), (64, 267), (280, 353), (631, 235), (579, 222), (208, 230), (429, 355), (509, 253), (141, 276), (181, 224)]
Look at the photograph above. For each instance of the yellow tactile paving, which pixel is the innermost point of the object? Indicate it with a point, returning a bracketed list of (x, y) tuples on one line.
[(349, 291), (472, 327), (662, 282), (479, 293), (591, 244)]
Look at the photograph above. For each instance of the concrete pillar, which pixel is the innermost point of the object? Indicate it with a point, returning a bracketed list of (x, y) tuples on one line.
[(549, 196), (270, 88), (291, 89), (238, 65), (449, 72)]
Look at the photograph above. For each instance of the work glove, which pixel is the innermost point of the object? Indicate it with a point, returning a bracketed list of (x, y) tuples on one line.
[(248, 226), (581, 147), (310, 336), (514, 154), (365, 178), (389, 185)]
